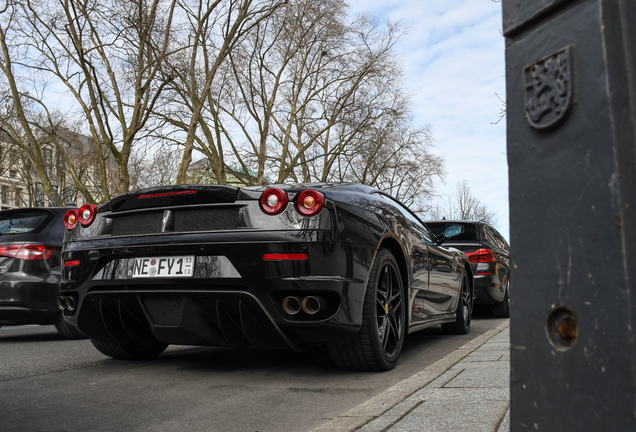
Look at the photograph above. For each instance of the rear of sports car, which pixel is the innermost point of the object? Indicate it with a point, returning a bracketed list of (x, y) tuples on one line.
[(211, 266)]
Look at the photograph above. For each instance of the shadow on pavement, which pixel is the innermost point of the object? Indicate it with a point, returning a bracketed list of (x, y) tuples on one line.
[(17, 334)]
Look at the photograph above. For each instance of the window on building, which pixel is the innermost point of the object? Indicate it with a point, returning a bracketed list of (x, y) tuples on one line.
[(3, 195), (18, 197), (59, 165), (46, 154)]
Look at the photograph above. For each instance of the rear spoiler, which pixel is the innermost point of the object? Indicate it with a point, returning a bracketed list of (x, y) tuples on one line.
[(165, 196)]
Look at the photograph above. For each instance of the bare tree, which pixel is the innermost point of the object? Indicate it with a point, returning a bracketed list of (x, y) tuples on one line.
[(280, 90), (214, 29), (463, 206), (106, 54), (154, 165), (15, 126), (275, 70), (310, 94), (311, 82), (394, 156)]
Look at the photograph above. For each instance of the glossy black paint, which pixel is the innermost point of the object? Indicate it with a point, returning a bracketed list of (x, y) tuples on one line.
[(28, 288), (241, 304), (491, 279)]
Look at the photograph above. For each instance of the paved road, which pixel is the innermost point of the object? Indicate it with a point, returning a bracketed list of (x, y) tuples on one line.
[(49, 384)]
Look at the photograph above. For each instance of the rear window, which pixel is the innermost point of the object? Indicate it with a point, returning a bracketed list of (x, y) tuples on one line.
[(470, 230), (23, 222)]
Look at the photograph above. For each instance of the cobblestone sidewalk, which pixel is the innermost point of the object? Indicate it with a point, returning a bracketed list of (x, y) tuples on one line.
[(466, 391)]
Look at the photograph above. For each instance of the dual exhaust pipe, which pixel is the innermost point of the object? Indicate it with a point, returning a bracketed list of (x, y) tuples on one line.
[(311, 305), (66, 302)]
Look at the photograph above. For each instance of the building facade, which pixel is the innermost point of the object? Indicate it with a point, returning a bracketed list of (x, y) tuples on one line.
[(19, 183)]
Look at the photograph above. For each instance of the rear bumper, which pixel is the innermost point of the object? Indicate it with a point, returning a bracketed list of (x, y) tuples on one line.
[(216, 307), (27, 300), (489, 289)]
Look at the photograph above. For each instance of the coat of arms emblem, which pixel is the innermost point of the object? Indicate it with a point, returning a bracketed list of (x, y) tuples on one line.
[(548, 89)]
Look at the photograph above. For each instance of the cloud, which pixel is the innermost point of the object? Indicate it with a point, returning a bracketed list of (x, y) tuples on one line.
[(453, 61)]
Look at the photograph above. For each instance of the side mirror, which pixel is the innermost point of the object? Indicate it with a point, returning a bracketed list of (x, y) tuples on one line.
[(448, 232)]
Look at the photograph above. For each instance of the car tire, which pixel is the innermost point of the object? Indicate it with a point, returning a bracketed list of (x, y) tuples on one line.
[(66, 330), (502, 310), (463, 312), (129, 351), (378, 345)]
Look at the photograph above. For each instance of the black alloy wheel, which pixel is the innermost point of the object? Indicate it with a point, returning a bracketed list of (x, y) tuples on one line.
[(378, 345), (390, 310), (463, 312)]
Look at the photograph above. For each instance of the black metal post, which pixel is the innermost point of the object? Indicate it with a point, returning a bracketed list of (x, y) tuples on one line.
[(571, 112)]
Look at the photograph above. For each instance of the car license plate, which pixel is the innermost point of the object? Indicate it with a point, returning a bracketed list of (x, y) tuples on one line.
[(169, 266)]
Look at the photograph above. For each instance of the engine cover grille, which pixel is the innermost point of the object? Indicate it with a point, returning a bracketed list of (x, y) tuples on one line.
[(140, 223), (206, 219), (187, 220)]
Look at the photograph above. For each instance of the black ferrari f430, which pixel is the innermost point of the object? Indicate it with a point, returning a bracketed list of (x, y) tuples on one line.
[(343, 265)]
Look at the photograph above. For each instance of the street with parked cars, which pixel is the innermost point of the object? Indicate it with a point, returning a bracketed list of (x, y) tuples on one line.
[(223, 308)]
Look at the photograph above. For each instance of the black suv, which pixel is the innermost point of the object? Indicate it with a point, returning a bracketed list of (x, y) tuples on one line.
[(30, 245), (489, 256)]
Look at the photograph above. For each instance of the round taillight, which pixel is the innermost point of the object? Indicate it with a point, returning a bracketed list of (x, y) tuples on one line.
[(310, 202), (274, 201), (87, 214), (70, 219)]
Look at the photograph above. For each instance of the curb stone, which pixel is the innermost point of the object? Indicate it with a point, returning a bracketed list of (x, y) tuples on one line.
[(398, 395)]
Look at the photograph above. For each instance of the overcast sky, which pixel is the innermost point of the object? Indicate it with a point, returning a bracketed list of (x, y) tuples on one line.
[(453, 61)]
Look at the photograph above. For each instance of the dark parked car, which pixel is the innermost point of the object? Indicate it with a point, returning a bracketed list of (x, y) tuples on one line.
[(489, 255), (286, 266), (30, 246)]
